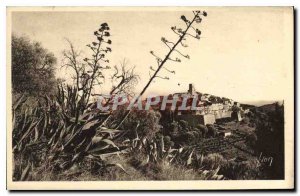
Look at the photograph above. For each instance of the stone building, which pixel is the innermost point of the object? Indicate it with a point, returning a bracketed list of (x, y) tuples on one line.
[(211, 109), (224, 133)]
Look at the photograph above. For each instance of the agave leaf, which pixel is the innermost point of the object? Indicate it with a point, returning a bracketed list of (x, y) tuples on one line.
[(89, 144), (80, 144), (205, 172), (51, 141), (36, 133), (217, 177), (71, 138), (133, 143), (91, 125), (147, 159), (96, 139), (214, 172), (110, 142), (171, 150), (62, 131), (189, 161), (110, 131), (162, 145), (29, 130), (45, 123), (126, 141), (19, 102), (200, 161), (64, 165), (117, 165), (107, 151), (85, 116), (99, 148), (25, 172), (103, 144), (180, 150), (76, 156), (145, 141), (74, 169), (34, 111), (24, 119)]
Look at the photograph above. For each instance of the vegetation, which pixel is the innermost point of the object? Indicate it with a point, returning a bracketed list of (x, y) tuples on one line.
[(64, 136), (33, 71), (270, 127)]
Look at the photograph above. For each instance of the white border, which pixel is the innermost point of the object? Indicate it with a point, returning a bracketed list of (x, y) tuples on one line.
[(5, 3)]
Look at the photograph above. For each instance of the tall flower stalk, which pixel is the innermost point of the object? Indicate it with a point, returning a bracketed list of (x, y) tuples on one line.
[(182, 34)]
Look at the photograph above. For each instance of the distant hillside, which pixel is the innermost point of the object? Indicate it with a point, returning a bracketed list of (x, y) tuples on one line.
[(219, 99), (247, 106), (262, 103), (268, 107)]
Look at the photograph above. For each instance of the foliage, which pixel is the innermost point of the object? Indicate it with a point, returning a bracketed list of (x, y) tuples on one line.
[(88, 72), (184, 126), (91, 72), (45, 139), (213, 161), (235, 108), (212, 131), (124, 80), (203, 129), (66, 136), (140, 123), (33, 67), (251, 140), (245, 170), (154, 157), (270, 127)]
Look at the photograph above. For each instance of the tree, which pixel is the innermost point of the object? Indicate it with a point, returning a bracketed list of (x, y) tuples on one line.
[(74, 100), (212, 131), (184, 125), (172, 129), (235, 108), (251, 140), (33, 67), (140, 124), (89, 72), (124, 79), (203, 129)]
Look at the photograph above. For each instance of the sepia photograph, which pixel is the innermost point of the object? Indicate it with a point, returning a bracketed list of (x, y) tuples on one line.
[(150, 98)]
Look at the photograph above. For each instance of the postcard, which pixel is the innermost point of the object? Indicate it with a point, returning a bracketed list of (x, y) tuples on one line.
[(150, 98)]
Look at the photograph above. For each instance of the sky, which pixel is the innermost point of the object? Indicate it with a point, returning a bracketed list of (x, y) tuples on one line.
[(243, 54)]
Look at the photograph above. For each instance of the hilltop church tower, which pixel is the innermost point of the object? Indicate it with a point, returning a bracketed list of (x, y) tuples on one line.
[(191, 90)]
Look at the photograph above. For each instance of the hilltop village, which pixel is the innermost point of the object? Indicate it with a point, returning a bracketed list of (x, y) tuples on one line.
[(210, 108)]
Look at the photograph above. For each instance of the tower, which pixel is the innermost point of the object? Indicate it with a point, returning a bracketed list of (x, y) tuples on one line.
[(191, 89)]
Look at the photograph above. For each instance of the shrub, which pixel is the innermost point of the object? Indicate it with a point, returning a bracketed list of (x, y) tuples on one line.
[(251, 140), (172, 129), (33, 67), (245, 120), (141, 123), (249, 170), (212, 131), (184, 126), (189, 138), (213, 161), (168, 142), (203, 129)]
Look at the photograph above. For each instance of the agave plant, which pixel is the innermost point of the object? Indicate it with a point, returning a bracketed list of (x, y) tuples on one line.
[(47, 135), (156, 153)]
